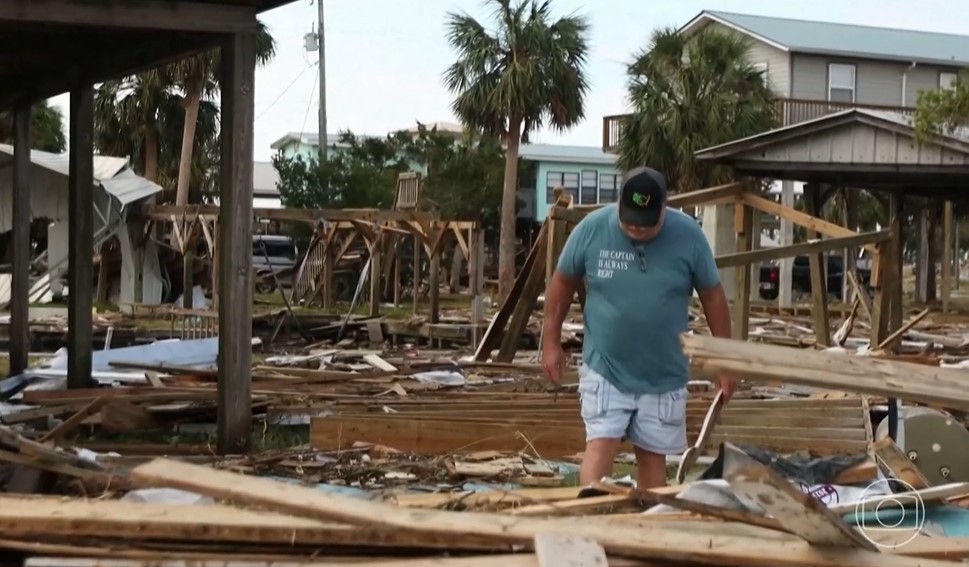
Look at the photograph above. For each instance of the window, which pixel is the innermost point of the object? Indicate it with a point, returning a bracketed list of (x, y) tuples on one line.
[(553, 179), (946, 80), (608, 184), (762, 69), (841, 82), (590, 187)]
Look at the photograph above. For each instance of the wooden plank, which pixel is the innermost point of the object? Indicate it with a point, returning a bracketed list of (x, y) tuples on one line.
[(552, 440), (879, 377), (235, 245), (558, 550), (36, 517), (180, 15), (643, 540), (893, 339)]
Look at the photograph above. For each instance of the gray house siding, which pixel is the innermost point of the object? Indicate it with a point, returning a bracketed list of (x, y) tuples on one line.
[(778, 67), (876, 82)]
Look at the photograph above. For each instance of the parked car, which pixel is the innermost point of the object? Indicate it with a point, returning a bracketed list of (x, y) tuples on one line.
[(770, 276), (282, 255)]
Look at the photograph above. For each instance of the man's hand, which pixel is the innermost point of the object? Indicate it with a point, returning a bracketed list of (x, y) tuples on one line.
[(727, 384), (553, 362)]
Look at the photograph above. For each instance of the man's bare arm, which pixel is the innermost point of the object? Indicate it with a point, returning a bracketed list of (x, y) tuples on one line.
[(558, 299), (717, 310)]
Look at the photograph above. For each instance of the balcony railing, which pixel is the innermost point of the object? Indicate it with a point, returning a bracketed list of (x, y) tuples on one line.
[(789, 111)]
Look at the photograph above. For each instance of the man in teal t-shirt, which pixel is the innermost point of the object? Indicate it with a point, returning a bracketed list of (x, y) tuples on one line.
[(641, 263)]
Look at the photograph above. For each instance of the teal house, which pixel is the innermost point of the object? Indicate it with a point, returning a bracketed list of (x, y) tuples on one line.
[(589, 174)]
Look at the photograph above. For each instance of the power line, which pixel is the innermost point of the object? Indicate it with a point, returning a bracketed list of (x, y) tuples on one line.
[(284, 91), (309, 105)]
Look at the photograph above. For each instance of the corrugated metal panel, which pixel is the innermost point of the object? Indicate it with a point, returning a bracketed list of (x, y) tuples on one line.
[(112, 173), (128, 187), (105, 167), (847, 39)]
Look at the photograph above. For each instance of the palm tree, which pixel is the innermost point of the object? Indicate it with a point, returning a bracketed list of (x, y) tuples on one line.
[(132, 116), (46, 128), (689, 94), (198, 78), (529, 72)]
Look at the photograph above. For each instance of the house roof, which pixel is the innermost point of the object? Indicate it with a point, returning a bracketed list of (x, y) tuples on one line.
[(872, 149), (570, 154), (828, 38), (112, 173), (264, 179)]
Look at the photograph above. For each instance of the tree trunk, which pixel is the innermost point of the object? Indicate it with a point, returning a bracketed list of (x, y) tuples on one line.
[(509, 206), (193, 98), (151, 153), (457, 265)]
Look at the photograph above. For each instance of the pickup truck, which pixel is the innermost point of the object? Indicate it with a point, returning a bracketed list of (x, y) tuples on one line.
[(770, 276)]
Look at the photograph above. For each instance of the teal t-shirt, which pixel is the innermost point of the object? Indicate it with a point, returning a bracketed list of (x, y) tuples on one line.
[(638, 296)]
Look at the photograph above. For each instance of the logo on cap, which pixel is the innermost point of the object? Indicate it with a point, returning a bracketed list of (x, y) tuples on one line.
[(641, 199)]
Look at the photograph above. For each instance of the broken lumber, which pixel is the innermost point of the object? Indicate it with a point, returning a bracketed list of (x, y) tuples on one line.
[(868, 375), (645, 540)]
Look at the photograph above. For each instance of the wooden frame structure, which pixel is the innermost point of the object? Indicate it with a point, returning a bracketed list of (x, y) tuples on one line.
[(55, 46), (381, 232), (509, 323)]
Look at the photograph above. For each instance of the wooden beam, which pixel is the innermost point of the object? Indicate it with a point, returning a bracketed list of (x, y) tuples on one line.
[(819, 270), (865, 375), (797, 217), (20, 243), (179, 15), (809, 247), (80, 268), (164, 212), (947, 256), (235, 245)]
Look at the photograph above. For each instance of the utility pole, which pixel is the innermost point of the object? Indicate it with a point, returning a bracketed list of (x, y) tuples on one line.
[(322, 50)]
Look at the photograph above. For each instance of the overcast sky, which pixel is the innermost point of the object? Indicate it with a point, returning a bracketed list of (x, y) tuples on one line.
[(385, 58)]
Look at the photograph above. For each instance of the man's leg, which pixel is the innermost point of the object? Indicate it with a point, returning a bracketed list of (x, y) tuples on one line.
[(597, 460), (607, 413), (658, 430)]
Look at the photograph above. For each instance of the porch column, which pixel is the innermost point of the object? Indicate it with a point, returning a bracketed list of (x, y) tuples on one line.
[(235, 244), (787, 239), (20, 274), (80, 256), (718, 227)]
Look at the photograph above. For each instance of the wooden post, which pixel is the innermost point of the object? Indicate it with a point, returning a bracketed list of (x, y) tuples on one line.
[(897, 205), (81, 246), (744, 227), (235, 244), (434, 281), (476, 281), (188, 262), (416, 272), (376, 281), (851, 254), (20, 273), (947, 256), (819, 280), (329, 259)]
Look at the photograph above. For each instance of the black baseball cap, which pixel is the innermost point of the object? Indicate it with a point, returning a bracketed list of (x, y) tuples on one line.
[(642, 197)]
